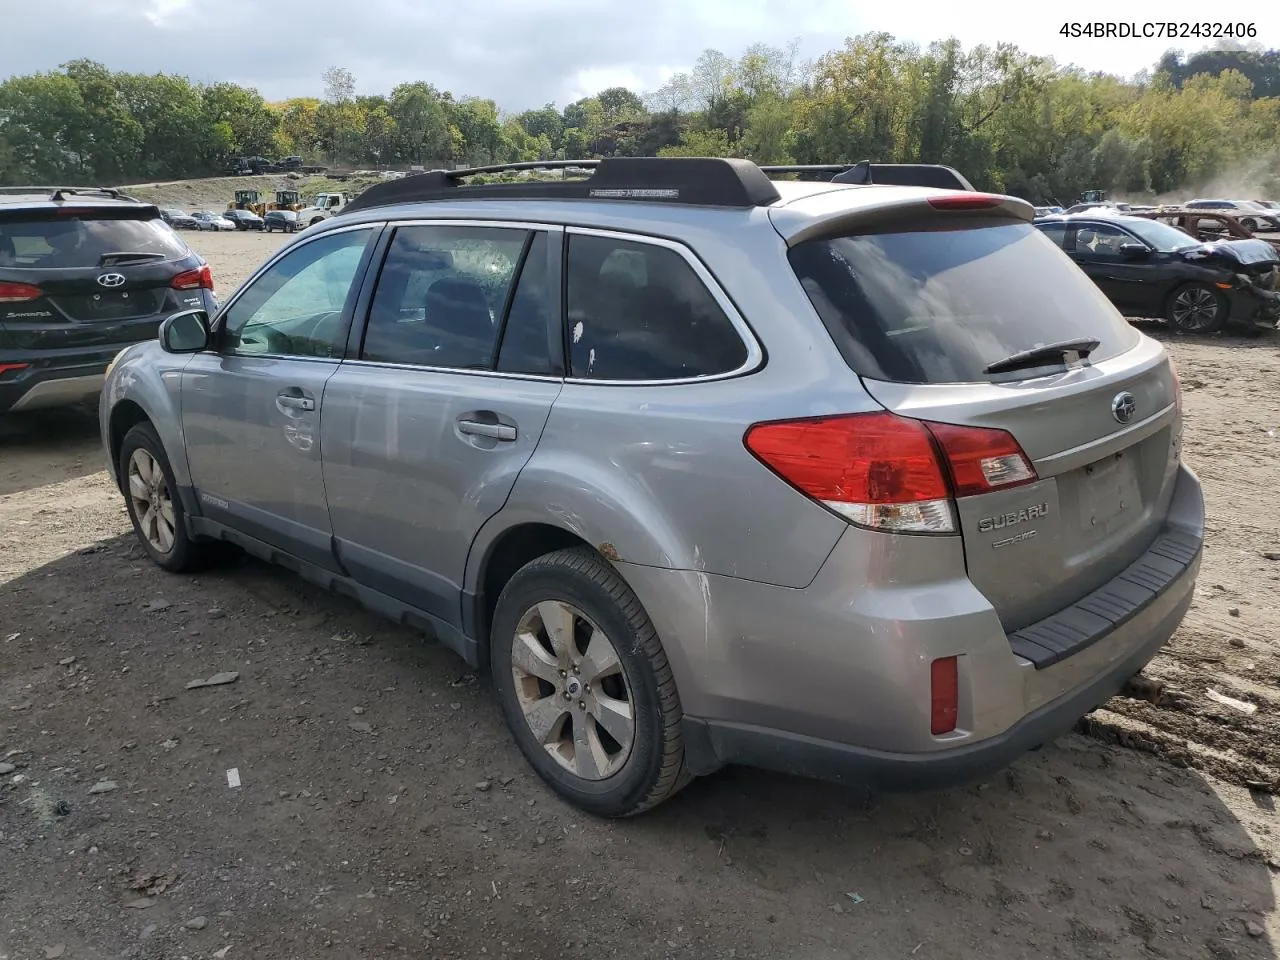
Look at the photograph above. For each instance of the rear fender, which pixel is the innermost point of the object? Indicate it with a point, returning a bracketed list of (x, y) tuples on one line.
[(607, 509)]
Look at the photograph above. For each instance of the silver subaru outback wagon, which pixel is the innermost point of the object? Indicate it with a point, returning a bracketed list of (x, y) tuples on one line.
[(860, 478)]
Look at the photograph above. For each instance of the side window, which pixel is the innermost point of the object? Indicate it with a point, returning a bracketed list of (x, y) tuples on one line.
[(1101, 241), (638, 311), (1057, 232), (525, 344), (297, 308), (441, 294)]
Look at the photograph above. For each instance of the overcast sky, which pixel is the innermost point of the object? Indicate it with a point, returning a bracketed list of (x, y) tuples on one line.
[(523, 53)]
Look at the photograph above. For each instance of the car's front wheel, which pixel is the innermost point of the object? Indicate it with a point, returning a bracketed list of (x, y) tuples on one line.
[(1197, 308), (585, 685), (151, 496)]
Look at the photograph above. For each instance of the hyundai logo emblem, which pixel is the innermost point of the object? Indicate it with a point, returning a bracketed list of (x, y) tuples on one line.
[(1124, 406), (111, 280)]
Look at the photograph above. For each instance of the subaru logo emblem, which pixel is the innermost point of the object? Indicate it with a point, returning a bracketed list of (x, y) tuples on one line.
[(1124, 406), (111, 280)]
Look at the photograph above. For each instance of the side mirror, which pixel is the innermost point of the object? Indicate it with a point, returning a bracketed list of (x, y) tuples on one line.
[(185, 332), (1135, 251)]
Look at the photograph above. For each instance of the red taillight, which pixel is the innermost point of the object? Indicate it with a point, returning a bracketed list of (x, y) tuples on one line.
[(194, 279), (18, 292), (944, 695), (982, 459), (966, 201), (887, 472), (877, 469), (9, 367)]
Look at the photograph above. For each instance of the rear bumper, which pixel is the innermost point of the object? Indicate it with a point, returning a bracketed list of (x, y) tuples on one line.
[(712, 744), (57, 388), (832, 681)]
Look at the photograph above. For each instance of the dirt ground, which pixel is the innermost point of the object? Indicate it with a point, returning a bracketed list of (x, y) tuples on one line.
[(383, 810)]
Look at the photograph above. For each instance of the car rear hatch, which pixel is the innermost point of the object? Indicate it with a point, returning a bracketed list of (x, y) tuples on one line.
[(73, 276), (1055, 424)]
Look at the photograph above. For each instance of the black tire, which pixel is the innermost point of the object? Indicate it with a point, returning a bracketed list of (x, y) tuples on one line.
[(1197, 308), (654, 769), (185, 554), (1249, 224)]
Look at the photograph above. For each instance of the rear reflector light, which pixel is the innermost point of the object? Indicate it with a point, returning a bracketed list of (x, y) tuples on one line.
[(8, 367), (944, 695), (194, 280), (886, 472), (982, 460), (966, 201), (19, 292)]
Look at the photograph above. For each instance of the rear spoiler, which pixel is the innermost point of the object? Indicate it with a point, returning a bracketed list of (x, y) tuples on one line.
[(936, 175)]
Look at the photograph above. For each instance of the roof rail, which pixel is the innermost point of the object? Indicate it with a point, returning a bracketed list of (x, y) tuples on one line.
[(58, 194), (889, 174), (701, 181)]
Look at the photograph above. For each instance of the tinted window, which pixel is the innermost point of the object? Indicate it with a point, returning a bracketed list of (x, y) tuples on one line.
[(1057, 232), (1100, 241), (298, 306), (43, 242), (638, 311), (938, 306), (526, 344), (441, 294)]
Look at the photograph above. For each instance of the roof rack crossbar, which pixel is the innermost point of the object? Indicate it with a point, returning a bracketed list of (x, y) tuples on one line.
[(59, 194), (889, 174), (698, 181)]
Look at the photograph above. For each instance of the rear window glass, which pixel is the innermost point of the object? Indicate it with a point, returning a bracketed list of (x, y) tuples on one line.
[(50, 243), (939, 306)]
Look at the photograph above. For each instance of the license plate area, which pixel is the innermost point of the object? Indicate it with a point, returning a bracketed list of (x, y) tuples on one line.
[(1109, 493)]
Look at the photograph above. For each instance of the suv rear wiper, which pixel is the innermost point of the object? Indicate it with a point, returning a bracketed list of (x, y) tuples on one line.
[(1039, 355), (111, 259)]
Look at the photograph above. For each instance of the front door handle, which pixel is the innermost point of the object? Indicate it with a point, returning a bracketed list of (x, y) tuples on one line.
[(289, 401), (495, 431)]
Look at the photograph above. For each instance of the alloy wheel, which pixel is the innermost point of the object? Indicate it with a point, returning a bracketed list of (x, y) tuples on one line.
[(1195, 309), (572, 690), (152, 500)]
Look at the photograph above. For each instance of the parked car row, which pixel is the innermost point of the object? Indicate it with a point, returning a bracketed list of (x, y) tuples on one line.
[(285, 221)]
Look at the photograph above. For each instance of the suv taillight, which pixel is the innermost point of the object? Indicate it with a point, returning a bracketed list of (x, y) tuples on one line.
[(887, 472), (18, 292), (194, 279)]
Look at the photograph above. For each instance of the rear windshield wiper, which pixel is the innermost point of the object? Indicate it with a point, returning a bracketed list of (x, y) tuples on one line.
[(1040, 355), (111, 259)]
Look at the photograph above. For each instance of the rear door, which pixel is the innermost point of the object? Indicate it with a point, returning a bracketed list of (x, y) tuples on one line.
[(923, 311), (443, 402)]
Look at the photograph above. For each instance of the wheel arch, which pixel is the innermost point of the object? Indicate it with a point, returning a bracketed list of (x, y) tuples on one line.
[(494, 562)]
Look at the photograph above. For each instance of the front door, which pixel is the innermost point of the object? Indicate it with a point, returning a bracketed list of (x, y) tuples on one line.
[(1125, 282), (251, 408), (426, 429)]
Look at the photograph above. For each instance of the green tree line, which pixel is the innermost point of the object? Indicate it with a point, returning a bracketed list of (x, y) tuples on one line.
[(1007, 119)]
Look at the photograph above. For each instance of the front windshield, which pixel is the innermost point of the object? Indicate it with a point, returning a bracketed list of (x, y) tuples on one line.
[(1163, 237)]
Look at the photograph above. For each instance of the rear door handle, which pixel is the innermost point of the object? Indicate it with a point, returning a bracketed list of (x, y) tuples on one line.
[(289, 401), (495, 431)]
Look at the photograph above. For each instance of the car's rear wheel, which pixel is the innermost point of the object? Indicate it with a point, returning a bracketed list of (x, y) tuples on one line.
[(151, 496), (585, 685), (1249, 224), (1197, 308)]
